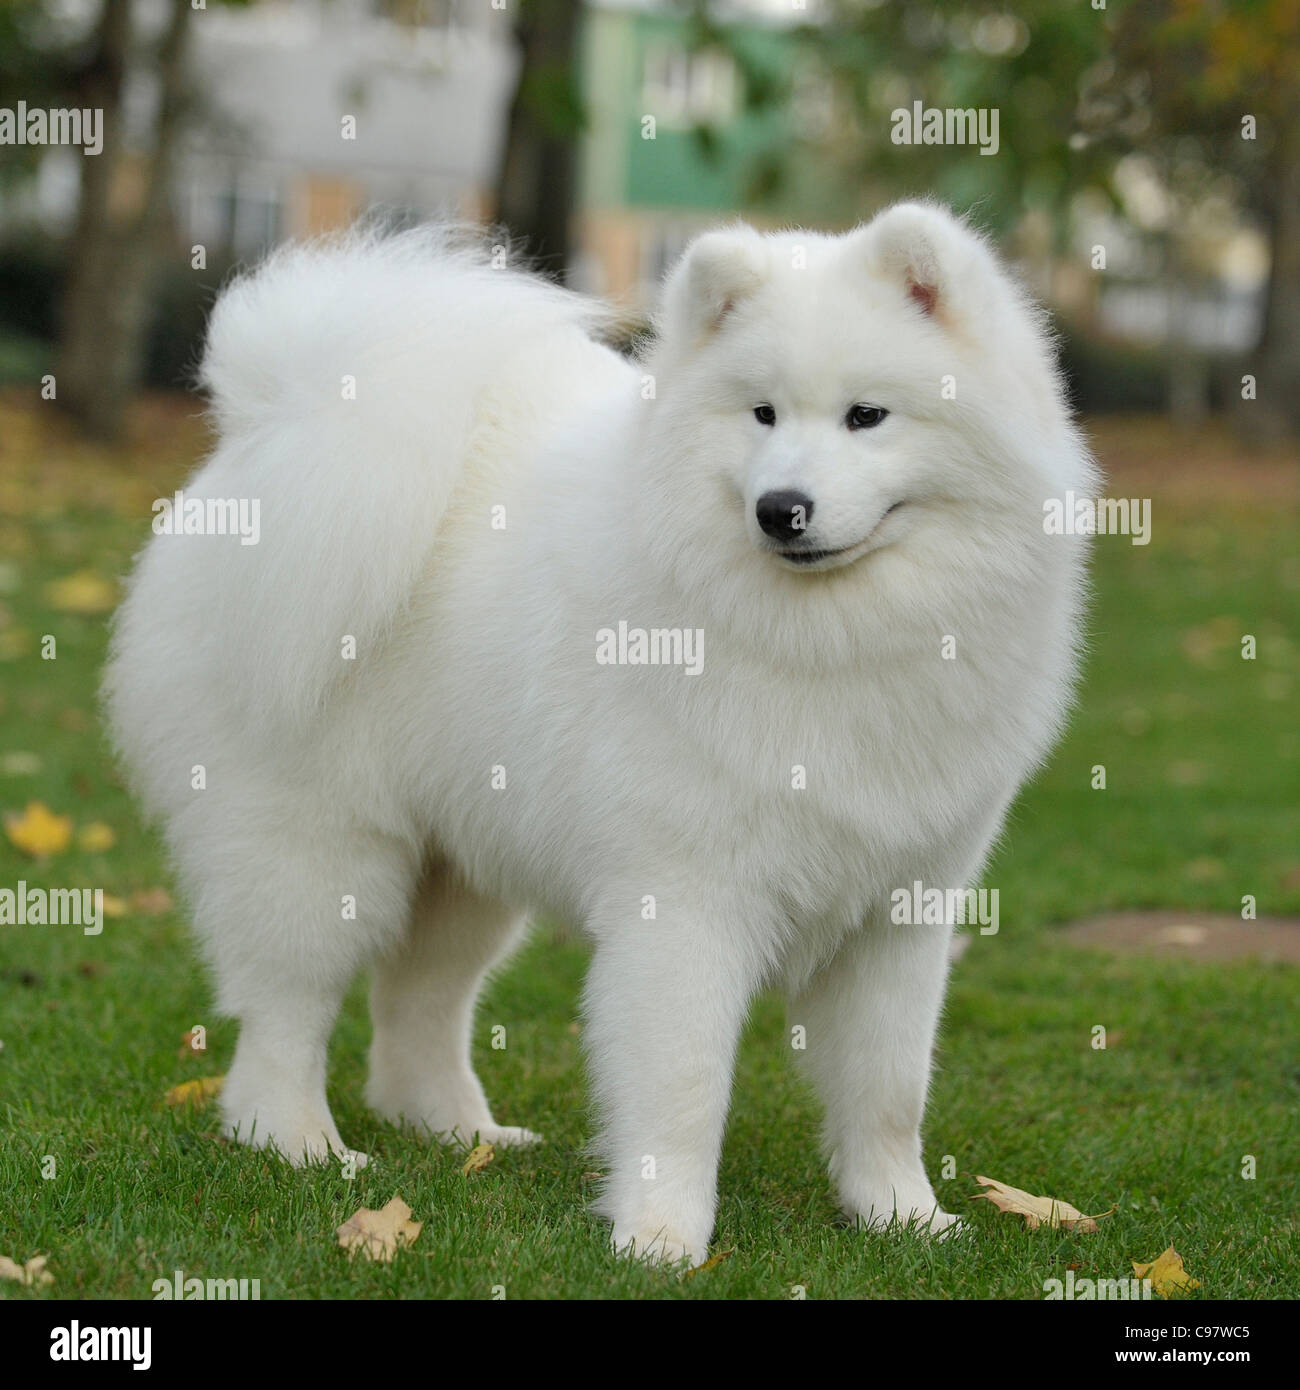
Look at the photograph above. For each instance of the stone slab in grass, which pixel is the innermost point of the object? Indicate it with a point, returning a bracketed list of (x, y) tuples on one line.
[(1191, 935)]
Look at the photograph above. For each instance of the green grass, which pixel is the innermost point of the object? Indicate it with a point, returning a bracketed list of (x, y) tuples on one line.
[(1202, 1067)]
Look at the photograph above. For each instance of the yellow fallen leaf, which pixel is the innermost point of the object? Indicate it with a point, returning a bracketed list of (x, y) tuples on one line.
[(479, 1158), (33, 1272), (1037, 1211), (15, 643), (96, 837), (83, 592), (711, 1263), (197, 1092), (379, 1234), (151, 901), (38, 831), (1167, 1274)]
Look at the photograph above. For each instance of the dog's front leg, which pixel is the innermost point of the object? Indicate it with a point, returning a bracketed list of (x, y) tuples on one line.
[(665, 1001), (869, 1019)]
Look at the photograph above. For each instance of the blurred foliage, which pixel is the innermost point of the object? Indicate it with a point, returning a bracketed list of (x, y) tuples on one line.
[(1104, 376), (1182, 74), (37, 63), (1181, 116), (46, 51), (1076, 88), (1028, 66), (32, 277)]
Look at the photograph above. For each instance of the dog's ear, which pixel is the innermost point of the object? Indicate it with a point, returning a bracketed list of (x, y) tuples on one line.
[(938, 262), (717, 271)]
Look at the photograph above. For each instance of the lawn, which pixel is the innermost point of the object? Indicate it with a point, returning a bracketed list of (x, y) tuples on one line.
[(1200, 1070)]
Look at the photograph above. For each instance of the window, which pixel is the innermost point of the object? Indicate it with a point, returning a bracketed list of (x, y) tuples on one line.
[(683, 89)]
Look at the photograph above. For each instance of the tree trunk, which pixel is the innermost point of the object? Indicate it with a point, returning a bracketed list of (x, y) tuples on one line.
[(87, 300), (1276, 412), (537, 180), (1187, 377), (113, 253)]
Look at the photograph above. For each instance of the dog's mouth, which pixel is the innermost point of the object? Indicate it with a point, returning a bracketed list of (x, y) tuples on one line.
[(811, 557), (807, 558)]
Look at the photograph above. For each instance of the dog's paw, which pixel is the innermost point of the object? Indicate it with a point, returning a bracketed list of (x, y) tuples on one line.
[(658, 1247), (943, 1225), (300, 1148), (466, 1136), (929, 1220)]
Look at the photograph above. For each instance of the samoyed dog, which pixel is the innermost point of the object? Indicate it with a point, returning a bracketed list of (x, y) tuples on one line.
[(708, 653)]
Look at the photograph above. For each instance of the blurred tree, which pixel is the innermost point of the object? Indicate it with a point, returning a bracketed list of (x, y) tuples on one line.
[(1219, 81), (1027, 62), (536, 184), (118, 236), (34, 69), (1205, 90)]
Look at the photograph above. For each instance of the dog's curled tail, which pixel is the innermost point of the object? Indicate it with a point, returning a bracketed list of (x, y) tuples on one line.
[(343, 377)]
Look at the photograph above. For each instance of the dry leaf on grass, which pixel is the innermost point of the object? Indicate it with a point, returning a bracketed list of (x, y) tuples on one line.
[(83, 592), (15, 643), (38, 831), (1037, 1211), (96, 837), (711, 1263), (33, 1272), (153, 902), (378, 1234), (479, 1158), (196, 1092), (1167, 1274)]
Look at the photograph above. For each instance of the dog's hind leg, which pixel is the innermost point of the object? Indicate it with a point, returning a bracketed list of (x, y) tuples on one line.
[(287, 921), (422, 1007)]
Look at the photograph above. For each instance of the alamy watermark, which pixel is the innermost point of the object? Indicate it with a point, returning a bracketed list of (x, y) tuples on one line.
[(194, 1289), (1099, 516), (90, 1343), (53, 907), (953, 125), (654, 646), (24, 125), (1087, 1290), (934, 907), (208, 516)]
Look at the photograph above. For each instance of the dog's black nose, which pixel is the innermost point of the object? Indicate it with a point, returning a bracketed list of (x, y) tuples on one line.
[(784, 515)]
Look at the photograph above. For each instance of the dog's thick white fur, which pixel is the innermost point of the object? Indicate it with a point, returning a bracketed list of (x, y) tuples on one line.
[(457, 480)]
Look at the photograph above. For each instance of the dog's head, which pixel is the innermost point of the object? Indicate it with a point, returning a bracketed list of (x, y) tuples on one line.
[(825, 405)]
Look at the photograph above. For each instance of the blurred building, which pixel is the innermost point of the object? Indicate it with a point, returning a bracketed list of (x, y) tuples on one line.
[(320, 110), (673, 146), (309, 113)]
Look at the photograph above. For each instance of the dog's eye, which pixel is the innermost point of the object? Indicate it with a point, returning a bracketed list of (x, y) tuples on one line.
[(765, 415), (864, 417)]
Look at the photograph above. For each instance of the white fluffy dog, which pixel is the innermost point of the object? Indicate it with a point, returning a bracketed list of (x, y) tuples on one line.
[(708, 653)]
